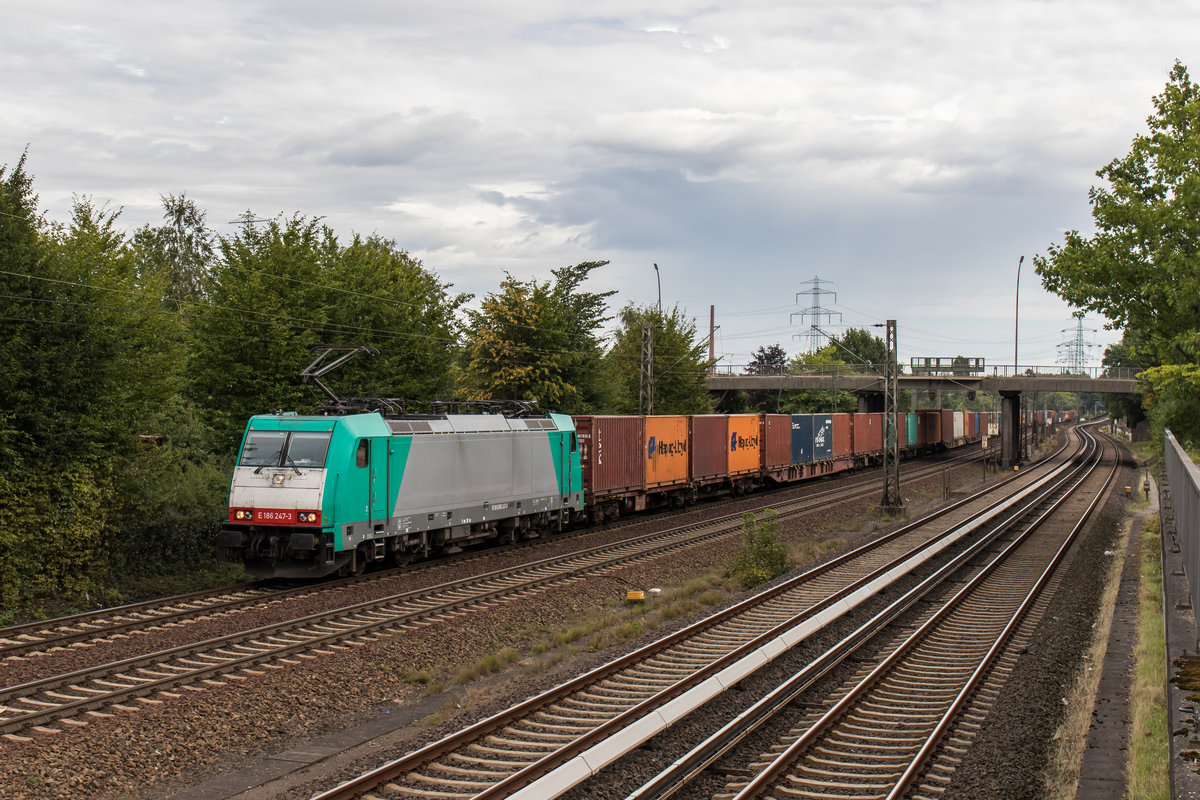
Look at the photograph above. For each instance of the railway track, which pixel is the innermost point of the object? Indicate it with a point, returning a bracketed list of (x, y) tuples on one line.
[(549, 743), (69, 699), (898, 728), (103, 624)]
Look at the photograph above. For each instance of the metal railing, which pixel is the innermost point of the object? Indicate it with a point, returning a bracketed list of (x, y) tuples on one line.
[(1004, 371), (1183, 481)]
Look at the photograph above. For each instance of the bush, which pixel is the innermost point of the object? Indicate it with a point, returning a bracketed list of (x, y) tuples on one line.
[(762, 556)]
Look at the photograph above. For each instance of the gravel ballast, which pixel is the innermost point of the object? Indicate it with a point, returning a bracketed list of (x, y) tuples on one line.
[(165, 747)]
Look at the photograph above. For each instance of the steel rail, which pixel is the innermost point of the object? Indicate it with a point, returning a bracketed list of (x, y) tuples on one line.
[(102, 623), (434, 750), (192, 662), (979, 675), (687, 767), (783, 760)]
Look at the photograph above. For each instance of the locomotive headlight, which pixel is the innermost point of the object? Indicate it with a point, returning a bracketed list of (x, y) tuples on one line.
[(242, 514)]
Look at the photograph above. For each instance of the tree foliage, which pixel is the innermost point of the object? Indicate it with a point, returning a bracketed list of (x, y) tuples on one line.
[(811, 401), (679, 365), (764, 361), (179, 253), (1170, 393), (1141, 268), (539, 340), (862, 350), (93, 372), (382, 297), (267, 306)]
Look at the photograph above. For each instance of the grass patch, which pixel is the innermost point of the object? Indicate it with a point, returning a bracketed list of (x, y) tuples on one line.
[(1149, 752), (806, 551), (488, 665)]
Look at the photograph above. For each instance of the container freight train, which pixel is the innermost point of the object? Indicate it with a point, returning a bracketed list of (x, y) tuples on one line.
[(311, 496)]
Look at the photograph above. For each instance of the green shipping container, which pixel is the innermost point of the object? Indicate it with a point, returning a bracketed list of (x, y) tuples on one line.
[(910, 428)]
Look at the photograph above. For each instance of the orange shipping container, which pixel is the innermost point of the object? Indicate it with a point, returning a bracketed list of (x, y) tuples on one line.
[(743, 440), (665, 451)]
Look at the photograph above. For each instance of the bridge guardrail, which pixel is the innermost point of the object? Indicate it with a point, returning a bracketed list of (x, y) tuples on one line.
[(839, 370)]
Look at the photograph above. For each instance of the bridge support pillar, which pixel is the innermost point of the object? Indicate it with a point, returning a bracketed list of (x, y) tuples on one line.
[(870, 402), (1010, 430)]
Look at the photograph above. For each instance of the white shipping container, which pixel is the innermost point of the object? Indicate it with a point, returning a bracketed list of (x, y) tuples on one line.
[(959, 424)]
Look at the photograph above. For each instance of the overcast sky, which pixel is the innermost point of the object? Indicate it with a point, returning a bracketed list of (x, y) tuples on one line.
[(907, 154)]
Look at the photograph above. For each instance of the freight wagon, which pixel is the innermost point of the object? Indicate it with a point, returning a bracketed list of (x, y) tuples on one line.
[(311, 496)]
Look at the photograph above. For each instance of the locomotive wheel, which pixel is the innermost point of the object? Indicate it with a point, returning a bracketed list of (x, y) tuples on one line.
[(360, 561)]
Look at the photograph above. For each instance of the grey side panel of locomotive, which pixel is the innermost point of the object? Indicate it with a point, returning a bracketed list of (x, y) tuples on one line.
[(453, 479)]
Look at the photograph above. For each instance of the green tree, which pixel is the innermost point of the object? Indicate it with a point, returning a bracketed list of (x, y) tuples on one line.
[(811, 401), (766, 361), (861, 350), (178, 253), (1169, 392), (23, 298), (538, 340), (381, 297), (268, 303), (94, 374), (1122, 355), (1141, 268), (680, 363)]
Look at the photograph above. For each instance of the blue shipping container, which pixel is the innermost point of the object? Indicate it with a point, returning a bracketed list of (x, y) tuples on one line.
[(802, 438), (822, 437), (910, 429)]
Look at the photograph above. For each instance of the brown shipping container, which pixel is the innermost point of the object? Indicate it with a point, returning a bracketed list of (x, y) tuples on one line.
[(933, 425), (666, 451), (843, 436), (868, 432), (922, 428), (778, 449), (744, 439), (610, 451), (947, 426), (710, 446)]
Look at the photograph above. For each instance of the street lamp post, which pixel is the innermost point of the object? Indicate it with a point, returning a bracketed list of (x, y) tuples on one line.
[(1017, 447), (1017, 313), (646, 395)]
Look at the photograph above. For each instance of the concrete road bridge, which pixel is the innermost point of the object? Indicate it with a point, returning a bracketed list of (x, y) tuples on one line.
[(867, 382)]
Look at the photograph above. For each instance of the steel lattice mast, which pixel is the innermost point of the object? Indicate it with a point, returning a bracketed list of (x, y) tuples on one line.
[(816, 313)]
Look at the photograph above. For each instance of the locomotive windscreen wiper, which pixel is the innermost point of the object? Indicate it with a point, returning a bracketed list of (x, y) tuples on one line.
[(270, 461)]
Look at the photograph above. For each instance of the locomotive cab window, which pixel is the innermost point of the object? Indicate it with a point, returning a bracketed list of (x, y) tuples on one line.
[(285, 449), (263, 448), (362, 457), (307, 448)]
